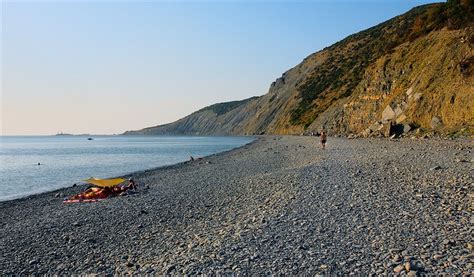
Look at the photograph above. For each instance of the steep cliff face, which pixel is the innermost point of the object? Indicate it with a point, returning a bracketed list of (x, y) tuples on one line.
[(426, 83), (413, 71)]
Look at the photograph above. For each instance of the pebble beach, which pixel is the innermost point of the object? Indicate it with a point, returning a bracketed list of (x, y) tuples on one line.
[(279, 205)]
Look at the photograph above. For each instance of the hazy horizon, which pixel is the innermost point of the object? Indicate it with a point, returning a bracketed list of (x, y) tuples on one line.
[(105, 68)]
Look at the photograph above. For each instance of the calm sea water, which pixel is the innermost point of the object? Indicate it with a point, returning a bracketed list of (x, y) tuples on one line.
[(66, 160)]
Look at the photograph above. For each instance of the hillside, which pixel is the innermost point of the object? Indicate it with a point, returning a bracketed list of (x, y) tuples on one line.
[(414, 71), (217, 119)]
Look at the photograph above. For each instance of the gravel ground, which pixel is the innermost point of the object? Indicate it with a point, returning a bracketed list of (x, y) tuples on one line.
[(280, 205)]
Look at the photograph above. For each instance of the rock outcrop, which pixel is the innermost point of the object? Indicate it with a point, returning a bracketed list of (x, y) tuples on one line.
[(413, 72)]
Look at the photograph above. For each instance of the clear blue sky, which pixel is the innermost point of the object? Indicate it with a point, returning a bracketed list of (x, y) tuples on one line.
[(104, 68)]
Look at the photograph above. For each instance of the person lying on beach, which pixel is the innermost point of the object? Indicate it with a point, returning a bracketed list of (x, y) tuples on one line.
[(89, 193), (93, 193), (119, 189)]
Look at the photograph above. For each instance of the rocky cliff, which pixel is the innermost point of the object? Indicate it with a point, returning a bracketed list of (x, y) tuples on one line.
[(413, 72)]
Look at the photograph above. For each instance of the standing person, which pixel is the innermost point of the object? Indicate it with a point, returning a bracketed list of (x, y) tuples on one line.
[(323, 138)]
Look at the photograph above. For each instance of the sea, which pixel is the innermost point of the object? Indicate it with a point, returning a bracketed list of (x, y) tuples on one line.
[(35, 164)]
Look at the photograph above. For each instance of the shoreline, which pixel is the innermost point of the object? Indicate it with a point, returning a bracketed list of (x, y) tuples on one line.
[(277, 205), (125, 175)]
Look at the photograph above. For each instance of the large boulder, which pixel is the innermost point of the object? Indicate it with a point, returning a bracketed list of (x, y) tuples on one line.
[(406, 128), (388, 114), (436, 122), (398, 110), (387, 129)]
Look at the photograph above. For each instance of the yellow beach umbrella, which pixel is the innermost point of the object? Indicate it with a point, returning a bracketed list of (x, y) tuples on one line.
[(104, 183)]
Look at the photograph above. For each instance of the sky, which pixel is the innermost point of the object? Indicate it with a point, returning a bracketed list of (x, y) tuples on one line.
[(103, 67)]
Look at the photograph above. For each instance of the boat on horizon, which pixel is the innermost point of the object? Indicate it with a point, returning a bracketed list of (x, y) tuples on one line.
[(63, 134)]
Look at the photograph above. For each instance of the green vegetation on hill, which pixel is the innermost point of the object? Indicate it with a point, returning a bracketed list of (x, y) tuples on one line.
[(222, 108)]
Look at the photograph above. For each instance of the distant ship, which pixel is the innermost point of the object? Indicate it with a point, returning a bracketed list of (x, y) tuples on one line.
[(63, 134), (90, 139)]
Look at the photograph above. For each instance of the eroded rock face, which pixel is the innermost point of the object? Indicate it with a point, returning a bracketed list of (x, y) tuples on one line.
[(427, 90)]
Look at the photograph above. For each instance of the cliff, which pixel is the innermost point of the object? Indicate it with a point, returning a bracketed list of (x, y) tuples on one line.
[(412, 72)]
